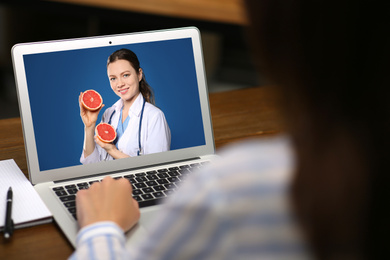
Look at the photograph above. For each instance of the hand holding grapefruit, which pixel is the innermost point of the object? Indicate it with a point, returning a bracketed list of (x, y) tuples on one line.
[(88, 116), (91, 100), (105, 132)]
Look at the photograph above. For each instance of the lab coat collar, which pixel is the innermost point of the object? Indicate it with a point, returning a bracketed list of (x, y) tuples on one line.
[(135, 108)]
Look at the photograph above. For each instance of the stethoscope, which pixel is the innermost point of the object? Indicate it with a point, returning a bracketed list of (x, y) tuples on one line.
[(139, 128)]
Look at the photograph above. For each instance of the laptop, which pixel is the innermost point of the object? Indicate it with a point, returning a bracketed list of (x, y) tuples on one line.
[(50, 77)]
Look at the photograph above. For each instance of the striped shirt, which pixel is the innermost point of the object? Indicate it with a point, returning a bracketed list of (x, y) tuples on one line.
[(235, 208)]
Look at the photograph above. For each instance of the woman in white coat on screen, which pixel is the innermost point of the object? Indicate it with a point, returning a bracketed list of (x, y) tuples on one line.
[(141, 127)]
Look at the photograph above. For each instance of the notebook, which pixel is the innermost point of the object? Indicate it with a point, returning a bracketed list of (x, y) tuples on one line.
[(27, 208), (50, 77)]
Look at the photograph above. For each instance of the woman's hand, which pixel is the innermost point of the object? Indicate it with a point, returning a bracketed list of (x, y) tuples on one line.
[(89, 117), (109, 200), (111, 149)]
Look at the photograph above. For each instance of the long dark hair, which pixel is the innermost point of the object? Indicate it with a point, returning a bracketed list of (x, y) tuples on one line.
[(130, 56), (330, 61)]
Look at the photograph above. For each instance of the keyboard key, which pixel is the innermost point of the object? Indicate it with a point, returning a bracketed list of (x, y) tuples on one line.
[(173, 179), (118, 177), (83, 184), (162, 181), (68, 198), (141, 179), (173, 168), (160, 187), (146, 203), (70, 204), (72, 210), (162, 170), (72, 191), (141, 174), (58, 188), (129, 176), (163, 175), (184, 167), (152, 177), (61, 193), (137, 198), (147, 196), (140, 185), (151, 172), (158, 194), (137, 192), (132, 180), (147, 190), (151, 183), (170, 186), (173, 173), (72, 186)]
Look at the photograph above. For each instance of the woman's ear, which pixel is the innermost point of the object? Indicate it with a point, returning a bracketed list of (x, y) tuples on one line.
[(140, 75)]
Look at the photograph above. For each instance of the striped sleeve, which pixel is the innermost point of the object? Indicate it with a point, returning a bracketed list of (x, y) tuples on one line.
[(103, 240)]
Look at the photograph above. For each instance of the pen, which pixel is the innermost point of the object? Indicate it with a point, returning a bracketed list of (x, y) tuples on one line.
[(8, 226)]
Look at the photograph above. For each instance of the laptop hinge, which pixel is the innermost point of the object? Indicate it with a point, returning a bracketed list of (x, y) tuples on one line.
[(130, 169)]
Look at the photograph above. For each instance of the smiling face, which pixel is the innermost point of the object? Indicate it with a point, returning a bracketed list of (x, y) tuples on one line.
[(124, 80)]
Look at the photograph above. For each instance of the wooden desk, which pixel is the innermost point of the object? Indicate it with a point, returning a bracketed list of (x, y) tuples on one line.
[(223, 11), (236, 115)]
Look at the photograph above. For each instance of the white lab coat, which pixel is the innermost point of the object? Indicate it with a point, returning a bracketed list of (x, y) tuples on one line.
[(155, 133)]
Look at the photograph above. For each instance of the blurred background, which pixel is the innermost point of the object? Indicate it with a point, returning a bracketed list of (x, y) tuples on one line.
[(221, 22)]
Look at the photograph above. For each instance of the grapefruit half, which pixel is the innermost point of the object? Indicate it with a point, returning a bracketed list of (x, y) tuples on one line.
[(91, 100), (105, 132)]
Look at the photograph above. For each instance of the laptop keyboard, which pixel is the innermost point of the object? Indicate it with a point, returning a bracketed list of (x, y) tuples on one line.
[(148, 187)]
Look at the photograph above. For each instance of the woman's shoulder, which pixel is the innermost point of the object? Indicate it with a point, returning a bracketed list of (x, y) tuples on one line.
[(265, 149), (248, 170), (264, 160), (152, 110)]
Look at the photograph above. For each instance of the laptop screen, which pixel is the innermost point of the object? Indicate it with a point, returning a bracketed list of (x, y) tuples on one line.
[(55, 79)]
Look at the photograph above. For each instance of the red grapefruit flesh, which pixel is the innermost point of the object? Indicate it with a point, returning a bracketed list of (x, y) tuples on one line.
[(105, 132), (91, 100)]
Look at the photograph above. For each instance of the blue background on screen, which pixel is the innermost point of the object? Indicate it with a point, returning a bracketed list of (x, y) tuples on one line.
[(56, 79)]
